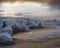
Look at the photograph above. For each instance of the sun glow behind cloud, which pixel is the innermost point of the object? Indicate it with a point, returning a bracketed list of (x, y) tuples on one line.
[(24, 7), (10, 4), (22, 3)]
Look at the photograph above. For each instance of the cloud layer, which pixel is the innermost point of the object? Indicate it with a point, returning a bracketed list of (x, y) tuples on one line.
[(20, 0), (52, 3)]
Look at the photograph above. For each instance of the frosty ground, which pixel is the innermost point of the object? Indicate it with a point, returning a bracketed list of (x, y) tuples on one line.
[(34, 38)]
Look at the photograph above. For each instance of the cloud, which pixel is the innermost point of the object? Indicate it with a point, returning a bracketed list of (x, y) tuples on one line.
[(21, 0), (55, 4), (52, 3)]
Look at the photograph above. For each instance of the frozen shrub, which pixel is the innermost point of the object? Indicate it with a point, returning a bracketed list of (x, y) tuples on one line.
[(1, 23), (8, 29), (5, 38), (9, 22), (24, 27), (34, 24)]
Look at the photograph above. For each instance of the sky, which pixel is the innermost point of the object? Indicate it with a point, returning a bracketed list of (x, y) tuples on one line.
[(41, 7), (53, 3), (26, 7)]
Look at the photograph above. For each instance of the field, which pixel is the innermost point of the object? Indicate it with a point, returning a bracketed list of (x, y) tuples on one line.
[(21, 39)]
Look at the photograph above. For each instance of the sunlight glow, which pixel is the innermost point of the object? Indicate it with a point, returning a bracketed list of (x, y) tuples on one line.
[(23, 7), (23, 3), (11, 4)]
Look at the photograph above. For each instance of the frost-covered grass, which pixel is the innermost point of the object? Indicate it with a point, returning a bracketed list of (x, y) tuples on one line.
[(14, 25)]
